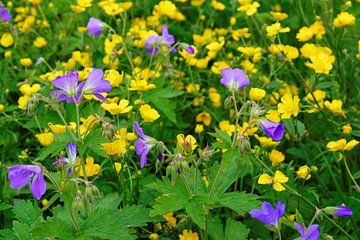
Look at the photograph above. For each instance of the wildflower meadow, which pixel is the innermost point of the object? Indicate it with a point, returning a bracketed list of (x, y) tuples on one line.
[(179, 119)]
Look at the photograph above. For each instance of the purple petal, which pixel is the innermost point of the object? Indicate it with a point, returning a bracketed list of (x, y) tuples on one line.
[(280, 209), (312, 232), (190, 50), (38, 186), (139, 146), (143, 159), (259, 215), (18, 176), (66, 82), (71, 149), (343, 211), (95, 26), (4, 14), (138, 129), (274, 130), (299, 228)]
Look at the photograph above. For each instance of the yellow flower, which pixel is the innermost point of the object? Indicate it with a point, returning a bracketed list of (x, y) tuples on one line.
[(266, 142), (26, 89), (117, 166), (335, 106), (116, 109), (279, 16), (6, 40), (350, 145), (275, 29), (171, 221), (273, 115), (248, 131), (206, 180), (187, 144), (248, 66), (44, 202), (2, 107), (218, 66), (7, 54), (336, 145), (344, 19), (318, 94), (115, 147), (199, 128), (140, 85), (217, 5), (289, 106), (215, 97), (26, 62), (114, 77), (256, 94), (45, 138), (153, 236), (91, 169), (227, 127), (321, 58), (22, 101), (188, 235), (197, 3), (304, 172), (254, 53), (276, 157), (346, 129), (249, 8), (40, 42), (204, 117), (240, 33), (59, 129), (277, 180), (304, 34), (148, 114)]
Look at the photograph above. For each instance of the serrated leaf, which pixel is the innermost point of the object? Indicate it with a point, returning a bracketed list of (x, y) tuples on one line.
[(289, 126), (215, 228), (22, 231), (300, 127), (134, 216), (236, 230), (51, 149), (239, 201), (109, 202), (166, 204), (26, 212), (166, 106), (195, 208), (54, 227)]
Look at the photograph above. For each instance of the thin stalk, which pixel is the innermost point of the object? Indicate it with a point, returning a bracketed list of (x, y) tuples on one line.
[(350, 175)]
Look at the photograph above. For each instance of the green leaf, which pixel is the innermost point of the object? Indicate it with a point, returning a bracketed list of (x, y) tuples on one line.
[(4, 206), (26, 212), (223, 139), (22, 231), (134, 216), (109, 202), (55, 228), (289, 126), (215, 228), (8, 234), (357, 175), (51, 149), (239, 201), (93, 143), (300, 127), (166, 106), (195, 208), (162, 93), (236, 230)]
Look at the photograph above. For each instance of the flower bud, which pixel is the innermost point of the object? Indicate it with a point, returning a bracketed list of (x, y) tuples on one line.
[(338, 211)]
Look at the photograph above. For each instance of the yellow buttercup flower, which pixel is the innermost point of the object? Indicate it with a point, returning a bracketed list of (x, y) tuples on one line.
[(59, 129), (335, 106), (227, 127), (277, 180), (336, 145), (22, 101), (187, 143), (204, 117), (273, 115), (199, 128), (170, 219), (40, 42), (140, 85), (279, 16), (91, 168), (215, 97), (188, 235), (275, 29), (114, 77), (289, 106), (344, 19), (304, 172), (346, 129), (117, 166), (246, 130), (45, 138), (350, 145), (26, 62), (276, 157), (148, 114), (154, 236), (248, 7), (116, 109), (266, 141), (115, 147), (26, 89), (6, 40), (256, 94), (2, 107)]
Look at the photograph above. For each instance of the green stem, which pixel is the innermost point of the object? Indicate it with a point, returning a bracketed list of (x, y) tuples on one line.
[(350, 175)]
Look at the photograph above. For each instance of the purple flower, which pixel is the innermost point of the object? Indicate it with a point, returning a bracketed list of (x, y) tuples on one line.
[(69, 88), (95, 84), (20, 176), (234, 79), (272, 129), (268, 215), (310, 233), (189, 49), (153, 43), (4, 14), (95, 26), (71, 159), (143, 144), (339, 211)]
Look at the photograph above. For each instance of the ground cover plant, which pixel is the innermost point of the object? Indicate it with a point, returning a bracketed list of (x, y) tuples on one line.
[(182, 119)]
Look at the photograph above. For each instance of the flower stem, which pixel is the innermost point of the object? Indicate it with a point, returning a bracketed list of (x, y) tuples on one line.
[(350, 175)]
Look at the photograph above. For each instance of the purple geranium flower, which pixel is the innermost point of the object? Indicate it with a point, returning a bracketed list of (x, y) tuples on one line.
[(4, 14), (268, 215), (310, 233), (143, 144), (69, 88), (339, 211), (234, 79), (153, 43), (272, 129), (189, 49), (95, 84), (95, 26), (71, 159), (20, 176)]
